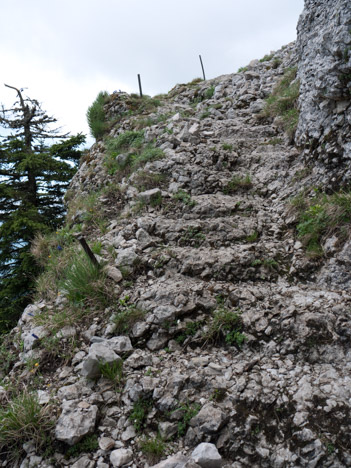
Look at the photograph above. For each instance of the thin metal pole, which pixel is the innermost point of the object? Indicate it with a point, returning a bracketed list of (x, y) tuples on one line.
[(87, 250), (140, 90), (202, 66)]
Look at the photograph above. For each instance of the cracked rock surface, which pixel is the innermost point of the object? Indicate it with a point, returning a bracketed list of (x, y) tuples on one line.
[(214, 236)]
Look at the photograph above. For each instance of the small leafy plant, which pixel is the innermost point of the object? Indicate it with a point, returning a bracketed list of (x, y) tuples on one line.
[(184, 197), (189, 411), (88, 444), (193, 236), (112, 371), (127, 315), (139, 413), (227, 146)]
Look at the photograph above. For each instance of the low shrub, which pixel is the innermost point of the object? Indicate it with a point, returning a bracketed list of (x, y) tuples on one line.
[(96, 116)]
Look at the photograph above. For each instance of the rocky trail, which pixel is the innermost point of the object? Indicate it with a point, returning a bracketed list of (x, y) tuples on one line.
[(239, 349)]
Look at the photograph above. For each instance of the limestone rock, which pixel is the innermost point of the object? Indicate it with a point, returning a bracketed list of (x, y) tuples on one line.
[(207, 456), (75, 421), (121, 457), (99, 353)]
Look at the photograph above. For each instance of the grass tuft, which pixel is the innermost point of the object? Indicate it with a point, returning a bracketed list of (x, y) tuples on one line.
[(238, 183), (24, 419)]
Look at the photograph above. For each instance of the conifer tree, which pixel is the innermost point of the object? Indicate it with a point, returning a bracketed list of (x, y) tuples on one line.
[(33, 179)]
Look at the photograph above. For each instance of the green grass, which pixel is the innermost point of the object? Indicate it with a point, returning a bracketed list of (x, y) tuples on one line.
[(209, 92), (125, 141), (227, 146), (184, 197), (226, 325), (83, 282), (266, 58), (282, 103), (126, 316), (252, 237), (153, 449), (242, 69), (7, 355), (238, 183), (89, 443), (96, 116), (112, 371), (322, 217), (23, 419), (137, 152), (189, 411), (145, 180)]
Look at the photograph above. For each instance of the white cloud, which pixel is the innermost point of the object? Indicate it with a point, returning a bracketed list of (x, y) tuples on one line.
[(67, 51)]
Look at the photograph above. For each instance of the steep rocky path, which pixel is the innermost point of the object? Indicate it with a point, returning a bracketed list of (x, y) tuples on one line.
[(213, 238)]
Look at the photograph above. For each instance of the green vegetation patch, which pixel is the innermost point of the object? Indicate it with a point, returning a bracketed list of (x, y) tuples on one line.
[(238, 183), (139, 413), (127, 315), (189, 411), (23, 419), (226, 325), (84, 282), (153, 448), (89, 443), (282, 102), (322, 217), (129, 151), (96, 116)]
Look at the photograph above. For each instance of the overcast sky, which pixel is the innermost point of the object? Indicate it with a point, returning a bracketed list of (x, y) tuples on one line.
[(66, 51)]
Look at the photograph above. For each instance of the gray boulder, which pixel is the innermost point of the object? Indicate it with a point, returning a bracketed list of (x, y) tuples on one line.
[(121, 457), (76, 421), (207, 456), (99, 353)]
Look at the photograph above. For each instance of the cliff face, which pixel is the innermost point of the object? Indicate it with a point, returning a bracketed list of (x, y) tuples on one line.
[(210, 338), (324, 54)]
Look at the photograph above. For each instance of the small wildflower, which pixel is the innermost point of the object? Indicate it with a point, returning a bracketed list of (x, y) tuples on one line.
[(36, 364)]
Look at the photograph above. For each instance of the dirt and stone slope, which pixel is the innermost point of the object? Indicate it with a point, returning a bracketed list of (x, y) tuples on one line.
[(235, 344)]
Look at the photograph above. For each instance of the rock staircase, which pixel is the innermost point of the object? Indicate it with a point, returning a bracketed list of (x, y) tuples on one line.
[(280, 399)]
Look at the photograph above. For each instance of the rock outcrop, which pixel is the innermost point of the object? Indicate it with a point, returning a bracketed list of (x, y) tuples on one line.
[(324, 54)]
